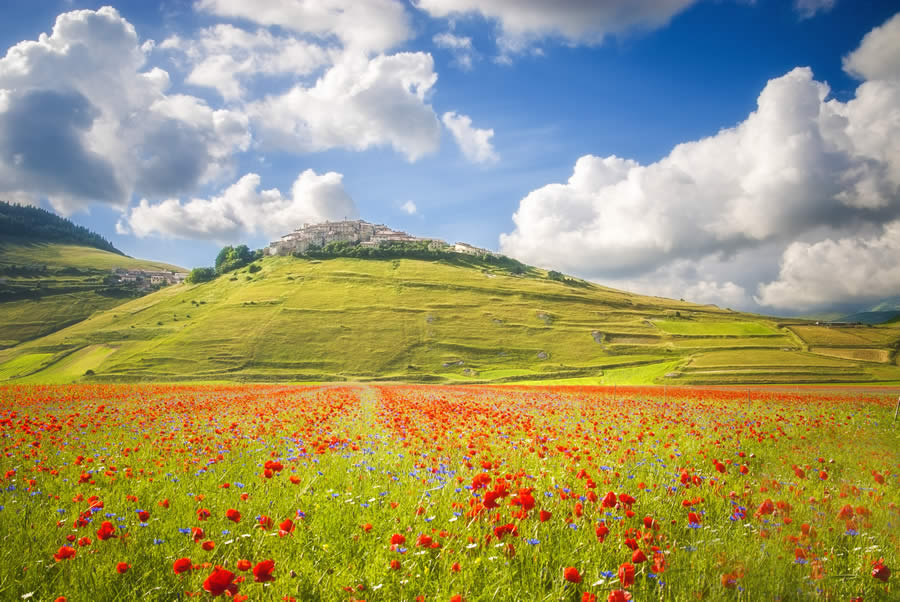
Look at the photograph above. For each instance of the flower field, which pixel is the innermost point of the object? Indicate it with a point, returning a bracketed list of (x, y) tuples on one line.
[(441, 493)]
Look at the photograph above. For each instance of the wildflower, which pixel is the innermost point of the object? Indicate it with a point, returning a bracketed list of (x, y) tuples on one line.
[(572, 575), (64, 553), (880, 571), (626, 574), (262, 572), (233, 515), (220, 581), (182, 565), (122, 567)]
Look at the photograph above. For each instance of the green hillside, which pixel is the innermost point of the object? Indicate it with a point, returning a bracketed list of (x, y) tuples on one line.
[(45, 286), (438, 321)]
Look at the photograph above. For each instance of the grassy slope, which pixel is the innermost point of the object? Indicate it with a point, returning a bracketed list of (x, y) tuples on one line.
[(66, 298), (301, 320)]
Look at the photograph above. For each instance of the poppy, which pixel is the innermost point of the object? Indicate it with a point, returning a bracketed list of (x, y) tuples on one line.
[(287, 526), (244, 565), (220, 581), (208, 545), (64, 553), (233, 515), (143, 516), (262, 572), (602, 531), (880, 571), (638, 557), (588, 597), (265, 522), (122, 567), (395, 565), (572, 575), (626, 574), (618, 595), (397, 539), (545, 516), (106, 531), (182, 565)]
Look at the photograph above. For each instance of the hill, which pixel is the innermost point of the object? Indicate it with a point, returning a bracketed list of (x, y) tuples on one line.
[(34, 224), (45, 286), (459, 319), (886, 310)]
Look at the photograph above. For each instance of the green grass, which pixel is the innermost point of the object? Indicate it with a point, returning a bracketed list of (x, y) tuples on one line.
[(422, 321), (707, 328), (74, 256)]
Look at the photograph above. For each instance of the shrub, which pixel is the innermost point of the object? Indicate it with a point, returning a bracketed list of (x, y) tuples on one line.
[(199, 275)]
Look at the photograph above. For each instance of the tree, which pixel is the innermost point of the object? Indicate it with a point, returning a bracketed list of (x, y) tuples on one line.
[(231, 258), (199, 275), (554, 275)]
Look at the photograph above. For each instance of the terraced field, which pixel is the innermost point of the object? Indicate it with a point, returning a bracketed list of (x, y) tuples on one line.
[(300, 320)]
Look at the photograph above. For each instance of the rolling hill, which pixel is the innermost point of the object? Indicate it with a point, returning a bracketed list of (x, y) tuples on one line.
[(54, 273), (451, 320)]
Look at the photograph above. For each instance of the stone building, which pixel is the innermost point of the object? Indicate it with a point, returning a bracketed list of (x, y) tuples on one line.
[(353, 231)]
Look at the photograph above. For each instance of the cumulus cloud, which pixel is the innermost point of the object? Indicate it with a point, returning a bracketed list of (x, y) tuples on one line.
[(359, 25), (878, 56), (461, 46), (409, 208), (359, 103), (225, 57), (243, 209), (834, 272), (801, 169), (474, 143), (523, 22), (810, 8), (82, 120)]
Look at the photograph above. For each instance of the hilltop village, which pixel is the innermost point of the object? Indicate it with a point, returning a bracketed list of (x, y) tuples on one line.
[(358, 232)]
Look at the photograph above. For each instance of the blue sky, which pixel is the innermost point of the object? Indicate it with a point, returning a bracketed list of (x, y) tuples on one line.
[(544, 130)]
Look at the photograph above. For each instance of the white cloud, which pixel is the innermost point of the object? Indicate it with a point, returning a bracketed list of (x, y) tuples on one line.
[(801, 169), (810, 8), (523, 22), (82, 121), (474, 143), (409, 207), (843, 271), (878, 56), (461, 46), (243, 209), (359, 25), (225, 57), (358, 104)]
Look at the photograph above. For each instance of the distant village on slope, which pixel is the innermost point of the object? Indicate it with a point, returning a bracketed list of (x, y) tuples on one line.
[(359, 232)]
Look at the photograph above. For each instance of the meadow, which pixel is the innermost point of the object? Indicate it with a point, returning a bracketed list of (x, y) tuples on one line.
[(370, 492)]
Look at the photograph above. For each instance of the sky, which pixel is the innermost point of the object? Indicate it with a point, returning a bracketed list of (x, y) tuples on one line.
[(737, 152)]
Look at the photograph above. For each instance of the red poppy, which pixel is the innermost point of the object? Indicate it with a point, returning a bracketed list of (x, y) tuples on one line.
[(588, 597), (64, 553), (455, 568), (106, 531), (265, 522), (572, 575), (602, 531), (262, 572), (203, 514), (182, 565), (626, 574), (609, 500), (220, 581), (244, 565), (208, 545), (397, 539), (638, 557), (879, 571), (197, 534), (143, 516), (122, 567), (545, 516), (233, 515), (618, 595), (395, 565), (287, 526)]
